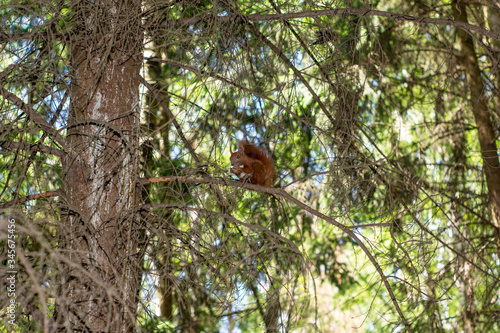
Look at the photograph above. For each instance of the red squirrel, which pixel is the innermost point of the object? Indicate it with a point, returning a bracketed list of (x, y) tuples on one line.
[(252, 162)]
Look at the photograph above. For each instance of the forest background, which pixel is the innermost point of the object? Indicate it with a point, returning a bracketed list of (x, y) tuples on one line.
[(117, 210)]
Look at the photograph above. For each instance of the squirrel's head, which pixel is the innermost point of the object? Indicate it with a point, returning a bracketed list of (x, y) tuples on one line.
[(236, 157)]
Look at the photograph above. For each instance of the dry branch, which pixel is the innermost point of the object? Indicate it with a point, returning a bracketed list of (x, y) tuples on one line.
[(333, 12)]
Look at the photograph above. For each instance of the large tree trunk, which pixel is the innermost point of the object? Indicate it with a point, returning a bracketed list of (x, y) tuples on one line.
[(481, 112), (99, 237)]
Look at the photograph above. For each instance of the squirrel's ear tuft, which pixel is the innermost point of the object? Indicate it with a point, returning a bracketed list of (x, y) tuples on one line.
[(241, 145)]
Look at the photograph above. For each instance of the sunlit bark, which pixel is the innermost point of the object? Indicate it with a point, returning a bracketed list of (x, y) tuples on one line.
[(98, 234)]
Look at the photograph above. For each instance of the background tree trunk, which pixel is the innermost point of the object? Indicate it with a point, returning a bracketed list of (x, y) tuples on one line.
[(481, 111)]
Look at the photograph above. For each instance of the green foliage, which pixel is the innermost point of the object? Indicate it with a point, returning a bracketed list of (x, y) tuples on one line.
[(155, 325), (368, 121)]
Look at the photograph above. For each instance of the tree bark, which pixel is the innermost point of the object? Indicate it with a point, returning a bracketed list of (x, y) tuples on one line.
[(98, 237), (272, 312), (461, 236), (481, 112)]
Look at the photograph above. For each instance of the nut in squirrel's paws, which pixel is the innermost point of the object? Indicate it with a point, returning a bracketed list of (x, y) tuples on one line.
[(234, 169), (237, 170)]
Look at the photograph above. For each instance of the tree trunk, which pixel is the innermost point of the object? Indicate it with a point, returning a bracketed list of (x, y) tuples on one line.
[(461, 235), (272, 312), (166, 286), (98, 236), (481, 112)]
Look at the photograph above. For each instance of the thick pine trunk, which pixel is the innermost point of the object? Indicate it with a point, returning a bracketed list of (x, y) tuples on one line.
[(98, 237)]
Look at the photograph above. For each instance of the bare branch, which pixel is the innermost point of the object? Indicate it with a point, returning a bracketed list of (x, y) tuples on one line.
[(31, 197), (31, 147), (157, 96), (35, 117), (334, 12)]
